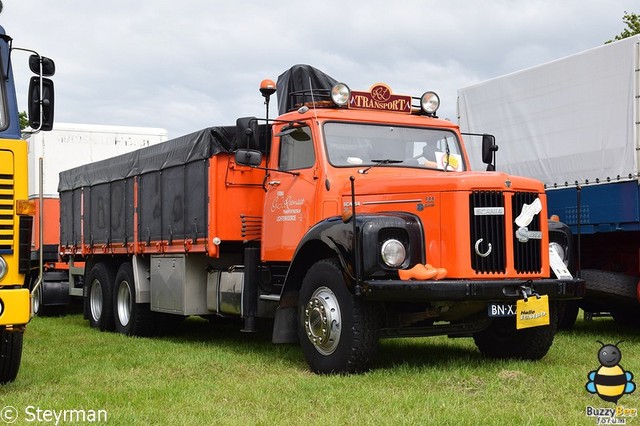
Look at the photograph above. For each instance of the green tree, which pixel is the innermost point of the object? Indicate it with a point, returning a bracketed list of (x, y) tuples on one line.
[(632, 21), (24, 121)]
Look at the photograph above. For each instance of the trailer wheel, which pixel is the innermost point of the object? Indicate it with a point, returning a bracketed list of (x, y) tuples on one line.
[(99, 297), (502, 340), (131, 318), (10, 355), (338, 333)]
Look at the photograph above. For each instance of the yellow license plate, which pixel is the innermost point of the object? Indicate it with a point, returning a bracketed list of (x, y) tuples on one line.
[(15, 306)]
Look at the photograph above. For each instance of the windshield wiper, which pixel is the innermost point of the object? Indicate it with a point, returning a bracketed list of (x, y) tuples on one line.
[(378, 163)]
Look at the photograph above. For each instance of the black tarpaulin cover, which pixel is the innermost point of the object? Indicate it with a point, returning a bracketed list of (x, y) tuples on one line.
[(296, 79), (195, 146)]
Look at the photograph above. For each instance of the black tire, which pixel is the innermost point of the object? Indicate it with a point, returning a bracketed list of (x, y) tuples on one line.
[(567, 314), (131, 318), (42, 310), (610, 284), (99, 297), (351, 343), (10, 355), (502, 340), (612, 292)]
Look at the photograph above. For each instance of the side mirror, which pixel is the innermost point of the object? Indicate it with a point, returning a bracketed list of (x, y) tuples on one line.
[(40, 104), (48, 66), (489, 148), (248, 157), (247, 133)]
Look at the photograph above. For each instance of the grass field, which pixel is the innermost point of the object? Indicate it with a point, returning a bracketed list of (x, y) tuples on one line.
[(215, 375)]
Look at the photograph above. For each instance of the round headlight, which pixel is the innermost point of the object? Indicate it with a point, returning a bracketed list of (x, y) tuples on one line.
[(3, 267), (429, 102), (393, 253), (340, 94), (560, 250)]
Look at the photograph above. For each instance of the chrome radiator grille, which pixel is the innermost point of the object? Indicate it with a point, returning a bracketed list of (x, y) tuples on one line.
[(489, 239)]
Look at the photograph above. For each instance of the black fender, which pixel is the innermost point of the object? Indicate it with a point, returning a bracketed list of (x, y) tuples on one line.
[(333, 237)]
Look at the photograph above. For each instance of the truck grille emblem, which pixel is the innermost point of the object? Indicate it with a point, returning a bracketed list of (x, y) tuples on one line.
[(524, 235), (478, 252), (524, 219)]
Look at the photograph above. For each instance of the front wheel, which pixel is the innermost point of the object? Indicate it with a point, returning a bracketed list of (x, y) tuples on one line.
[(338, 333), (10, 355), (502, 340)]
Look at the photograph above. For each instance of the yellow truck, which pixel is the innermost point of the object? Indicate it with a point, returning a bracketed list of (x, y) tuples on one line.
[(16, 211)]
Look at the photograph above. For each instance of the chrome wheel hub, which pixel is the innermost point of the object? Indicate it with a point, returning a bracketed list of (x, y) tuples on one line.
[(322, 320), (95, 300), (124, 303)]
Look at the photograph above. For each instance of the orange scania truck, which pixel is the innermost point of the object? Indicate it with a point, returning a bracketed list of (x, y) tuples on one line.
[(351, 217), (16, 211)]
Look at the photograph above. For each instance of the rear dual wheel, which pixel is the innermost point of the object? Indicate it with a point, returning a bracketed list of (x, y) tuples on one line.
[(111, 301), (131, 318), (99, 298)]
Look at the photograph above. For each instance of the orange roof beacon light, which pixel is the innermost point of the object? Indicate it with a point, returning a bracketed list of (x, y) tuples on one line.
[(267, 88)]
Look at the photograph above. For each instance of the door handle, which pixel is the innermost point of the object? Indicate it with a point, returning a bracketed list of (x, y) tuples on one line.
[(273, 182)]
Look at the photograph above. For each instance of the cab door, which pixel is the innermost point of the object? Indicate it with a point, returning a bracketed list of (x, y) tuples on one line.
[(291, 191)]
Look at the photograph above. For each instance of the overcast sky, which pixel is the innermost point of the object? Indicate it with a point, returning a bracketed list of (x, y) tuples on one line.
[(189, 64)]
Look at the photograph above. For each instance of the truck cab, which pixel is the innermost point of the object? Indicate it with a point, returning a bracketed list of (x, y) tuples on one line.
[(375, 193)]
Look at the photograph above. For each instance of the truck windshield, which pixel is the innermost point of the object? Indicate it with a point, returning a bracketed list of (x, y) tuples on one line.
[(356, 144)]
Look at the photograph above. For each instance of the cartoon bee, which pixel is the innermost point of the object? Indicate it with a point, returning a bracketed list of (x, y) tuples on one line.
[(610, 381)]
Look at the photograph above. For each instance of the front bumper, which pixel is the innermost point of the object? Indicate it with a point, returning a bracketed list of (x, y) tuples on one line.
[(15, 306), (465, 290)]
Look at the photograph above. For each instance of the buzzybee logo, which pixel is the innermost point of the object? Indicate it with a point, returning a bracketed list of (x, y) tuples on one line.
[(610, 381)]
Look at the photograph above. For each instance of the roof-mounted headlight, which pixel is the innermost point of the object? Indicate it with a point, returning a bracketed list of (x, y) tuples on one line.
[(429, 102), (340, 94)]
